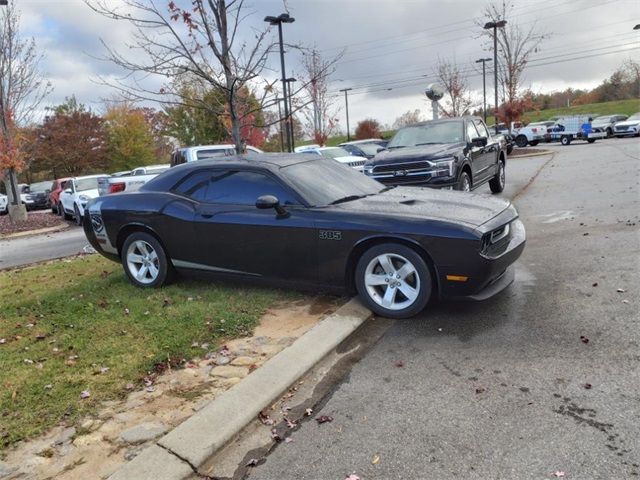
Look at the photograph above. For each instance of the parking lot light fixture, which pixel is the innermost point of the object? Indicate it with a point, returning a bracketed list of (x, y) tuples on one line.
[(495, 26), (290, 119), (346, 105), (279, 20), (484, 87)]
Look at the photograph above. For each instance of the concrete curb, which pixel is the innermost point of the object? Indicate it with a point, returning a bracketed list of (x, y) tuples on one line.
[(40, 231), (208, 430), (538, 154)]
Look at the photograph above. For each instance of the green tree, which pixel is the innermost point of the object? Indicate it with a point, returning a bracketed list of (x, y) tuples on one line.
[(130, 140)]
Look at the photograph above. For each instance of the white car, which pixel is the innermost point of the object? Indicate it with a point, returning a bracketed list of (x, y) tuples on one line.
[(132, 182), (631, 126), (532, 134), (4, 204), (337, 153), (202, 152), (75, 195)]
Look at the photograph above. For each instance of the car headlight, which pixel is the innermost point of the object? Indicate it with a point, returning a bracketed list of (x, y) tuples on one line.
[(443, 168)]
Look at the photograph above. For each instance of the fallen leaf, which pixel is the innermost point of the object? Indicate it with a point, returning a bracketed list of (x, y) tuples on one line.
[(126, 311), (587, 386), (265, 419), (559, 473), (291, 424), (621, 290), (595, 284), (585, 234), (150, 389), (252, 463), (288, 440), (481, 390), (275, 436), (308, 412), (353, 476), (3, 341), (399, 364), (584, 339), (129, 386), (48, 386), (324, 419), (85, 394), (625, 301), (104, 370), (375, 459), (28, 361)]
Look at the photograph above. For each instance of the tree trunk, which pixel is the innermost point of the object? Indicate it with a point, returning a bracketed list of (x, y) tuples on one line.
[(17, 210)]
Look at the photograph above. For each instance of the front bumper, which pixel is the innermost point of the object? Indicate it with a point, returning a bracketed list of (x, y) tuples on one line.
[(627, 131)]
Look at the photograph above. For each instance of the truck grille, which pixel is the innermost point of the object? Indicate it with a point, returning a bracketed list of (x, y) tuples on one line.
[(358, 163), (408, 167)]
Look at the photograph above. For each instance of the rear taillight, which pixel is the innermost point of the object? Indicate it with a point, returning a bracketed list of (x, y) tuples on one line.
[(117, 187)]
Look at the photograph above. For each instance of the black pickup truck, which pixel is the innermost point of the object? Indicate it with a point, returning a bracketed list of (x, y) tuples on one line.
[(457, 153)]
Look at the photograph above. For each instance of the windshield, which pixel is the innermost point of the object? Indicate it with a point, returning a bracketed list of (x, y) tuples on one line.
[(369, 148), (39, 187), (324, 181), (602, 120), (429, 133), (334, 152), (84, 184)]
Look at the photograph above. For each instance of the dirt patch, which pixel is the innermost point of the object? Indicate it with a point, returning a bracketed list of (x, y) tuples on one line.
[(525, 152), (35, 221), (97, 446)]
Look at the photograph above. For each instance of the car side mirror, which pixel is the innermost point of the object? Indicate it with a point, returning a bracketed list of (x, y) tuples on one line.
[(380, 149), (266, 202), (479, 142)]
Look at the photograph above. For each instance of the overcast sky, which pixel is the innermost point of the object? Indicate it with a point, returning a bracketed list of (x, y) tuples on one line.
[(388, 43)]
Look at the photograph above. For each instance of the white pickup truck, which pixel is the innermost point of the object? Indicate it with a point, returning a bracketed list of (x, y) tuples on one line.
[(130, 183)]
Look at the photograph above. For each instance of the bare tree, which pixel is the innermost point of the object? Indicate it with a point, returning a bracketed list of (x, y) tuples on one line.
[(515, 46), (456, 87), (321, 118), (407, 118), (22, 89), (203, 42)]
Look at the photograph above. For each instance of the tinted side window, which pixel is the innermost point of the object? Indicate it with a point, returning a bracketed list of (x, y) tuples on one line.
[(482, 129), (471, 131), (195, 185), (244, 188)]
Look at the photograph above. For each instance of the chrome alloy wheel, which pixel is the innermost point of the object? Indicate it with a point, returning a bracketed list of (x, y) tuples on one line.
[(142, 262), (392, 281)]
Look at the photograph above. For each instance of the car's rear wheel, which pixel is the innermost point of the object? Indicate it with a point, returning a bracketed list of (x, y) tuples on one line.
[(145, 261), (591, 140), (393, 280), (464, 182), (533, 143), (565, 140), (522, 141), (497, 183)]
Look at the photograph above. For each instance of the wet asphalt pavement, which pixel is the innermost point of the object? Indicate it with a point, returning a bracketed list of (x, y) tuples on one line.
[(506, 389)]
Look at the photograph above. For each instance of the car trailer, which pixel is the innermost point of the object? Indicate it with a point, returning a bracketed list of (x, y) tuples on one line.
[(572, 128)]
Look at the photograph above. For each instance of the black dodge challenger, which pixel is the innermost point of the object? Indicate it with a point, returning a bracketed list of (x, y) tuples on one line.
[(307, 221)]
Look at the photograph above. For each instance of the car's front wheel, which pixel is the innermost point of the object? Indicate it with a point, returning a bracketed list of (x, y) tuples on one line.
[(464, 182), (77, 218), (521, 141), (145, 261), (497, 183), (393, 280)]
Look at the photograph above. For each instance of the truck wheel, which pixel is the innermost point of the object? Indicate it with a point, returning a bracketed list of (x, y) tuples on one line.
[(464, 183), (533, 143), (565, 140), (591, 140), (497, 183), (521, 141), (393, 280)]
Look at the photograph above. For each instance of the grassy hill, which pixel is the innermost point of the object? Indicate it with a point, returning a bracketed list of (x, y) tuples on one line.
[(623, 107)]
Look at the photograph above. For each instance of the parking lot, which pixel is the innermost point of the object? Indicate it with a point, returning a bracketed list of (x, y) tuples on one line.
[(538, 382)]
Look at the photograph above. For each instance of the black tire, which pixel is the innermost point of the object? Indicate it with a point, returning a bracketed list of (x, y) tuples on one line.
[(420, 278), (565, 140), (591, 140), (77, 218), (497, 183), (464, 181), (163, 265), (521, 141), (54, 209), (64, 214), (609, 132), (533, 143)]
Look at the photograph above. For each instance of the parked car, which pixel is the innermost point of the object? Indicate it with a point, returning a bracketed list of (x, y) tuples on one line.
[(38, 195), (191, 154), (4, 204), (502, 129), (630, 127), (23, 188), (457, 153), (77, 192), (54, 194), (130, 183), (300, 221), (122, 173), (606, 123), (365, 148), (337, 153), (532, 134)]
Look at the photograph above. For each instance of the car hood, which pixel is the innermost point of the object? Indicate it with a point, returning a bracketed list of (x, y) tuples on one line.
[(349, 158), (422, 152), (628, 123), (469, 209)]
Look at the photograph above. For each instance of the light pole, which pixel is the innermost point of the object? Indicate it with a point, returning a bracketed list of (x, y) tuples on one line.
[(495, 26), (290, 119), (484, 87), (279, 20), (278, 100), (346, 104)]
